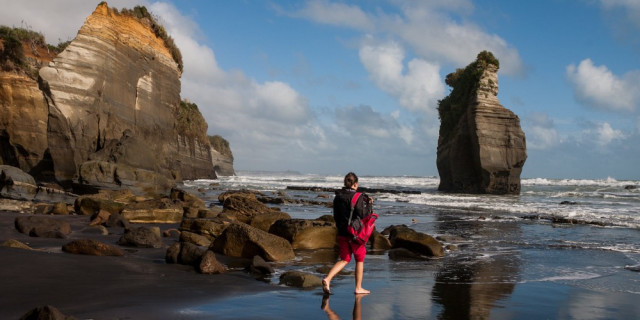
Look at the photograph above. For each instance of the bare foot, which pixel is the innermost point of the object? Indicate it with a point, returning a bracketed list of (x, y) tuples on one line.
[(325, 286), (362, 291)]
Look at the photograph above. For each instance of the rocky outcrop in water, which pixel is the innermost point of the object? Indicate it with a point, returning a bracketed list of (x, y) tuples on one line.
[(481, 147), (221, 156), (106, 112)]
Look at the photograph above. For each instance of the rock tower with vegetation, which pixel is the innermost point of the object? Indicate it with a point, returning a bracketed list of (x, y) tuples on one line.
[(481, 147)]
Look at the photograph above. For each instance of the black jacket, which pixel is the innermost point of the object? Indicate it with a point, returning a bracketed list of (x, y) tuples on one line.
[(342, 208)]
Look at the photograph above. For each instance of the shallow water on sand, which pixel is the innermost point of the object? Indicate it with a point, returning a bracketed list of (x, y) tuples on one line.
[(506, 267), (495, 282)]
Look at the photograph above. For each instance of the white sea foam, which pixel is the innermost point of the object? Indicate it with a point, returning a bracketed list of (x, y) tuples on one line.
[(566, 275), (609, 182), (604, 201)]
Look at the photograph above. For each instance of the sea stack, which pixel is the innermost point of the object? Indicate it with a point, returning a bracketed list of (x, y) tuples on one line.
[(481, 147)]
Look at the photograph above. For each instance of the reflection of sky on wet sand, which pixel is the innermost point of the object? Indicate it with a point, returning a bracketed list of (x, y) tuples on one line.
[(595, 305), (469, 284)]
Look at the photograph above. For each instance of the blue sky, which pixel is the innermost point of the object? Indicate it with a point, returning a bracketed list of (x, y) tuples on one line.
[(334, 86)]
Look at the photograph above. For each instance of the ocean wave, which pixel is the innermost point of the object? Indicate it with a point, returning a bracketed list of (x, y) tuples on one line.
[(602, 202), (609, 182)]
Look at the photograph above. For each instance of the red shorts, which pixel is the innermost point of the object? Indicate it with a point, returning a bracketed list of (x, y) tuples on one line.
[(346, 248)]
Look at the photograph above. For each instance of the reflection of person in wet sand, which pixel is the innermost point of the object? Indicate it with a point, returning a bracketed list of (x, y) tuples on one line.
[(341, 212), (357, 308)]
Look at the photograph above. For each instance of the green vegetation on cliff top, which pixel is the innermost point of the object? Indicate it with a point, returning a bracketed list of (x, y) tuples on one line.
[(12, 54), (464, 84), (221, 145), (143, 15), (190, 122)]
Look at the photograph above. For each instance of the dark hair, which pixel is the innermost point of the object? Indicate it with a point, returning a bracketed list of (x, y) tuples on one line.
[(350, 179)]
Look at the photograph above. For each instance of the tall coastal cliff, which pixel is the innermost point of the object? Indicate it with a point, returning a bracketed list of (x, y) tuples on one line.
[(481, 147), (106, 111)]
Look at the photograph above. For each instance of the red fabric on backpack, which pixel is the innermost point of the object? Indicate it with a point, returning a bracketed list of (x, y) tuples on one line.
[(360, 229)]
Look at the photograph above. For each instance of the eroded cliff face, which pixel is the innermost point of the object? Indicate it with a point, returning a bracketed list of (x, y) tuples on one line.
[(23, 124), (104, 111), (222, 163), (116, 75), (485, 150)]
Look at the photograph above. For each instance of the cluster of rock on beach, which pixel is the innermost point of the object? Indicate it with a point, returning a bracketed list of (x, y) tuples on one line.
[(244, 232)]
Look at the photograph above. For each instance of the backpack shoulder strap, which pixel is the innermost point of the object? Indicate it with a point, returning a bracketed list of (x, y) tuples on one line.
[(354, 200)]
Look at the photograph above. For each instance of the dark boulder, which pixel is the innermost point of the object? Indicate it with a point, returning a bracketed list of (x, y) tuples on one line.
[(90, 204), (190, 254), (210, 265), (12, 243), (211, 228), (142, 237), (379, 242), (195, 238), (418, 242), (300, 279), (92, 247), (264, 221), (306, 234), (185, 253), (46, 313), (241, 240), (173, 252), (60, 208), (243, 207), (16, 184), (46, 227), (259, 267)]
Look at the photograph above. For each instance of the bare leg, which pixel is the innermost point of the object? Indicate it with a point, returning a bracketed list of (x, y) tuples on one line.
[(359, 275), (326, 282)]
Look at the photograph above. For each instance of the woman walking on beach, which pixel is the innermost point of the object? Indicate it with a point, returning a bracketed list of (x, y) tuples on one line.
[(341, 211)]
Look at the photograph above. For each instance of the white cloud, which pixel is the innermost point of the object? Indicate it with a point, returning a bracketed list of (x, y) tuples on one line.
[(433, 34), (425, 26), (259, 109), (630, 7), (602, 134), (336, 14), (58, 21), (417, 89), (598, 87), (540, 132)]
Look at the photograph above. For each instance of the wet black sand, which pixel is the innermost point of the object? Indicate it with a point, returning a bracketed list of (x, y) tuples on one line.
[(138, 285)]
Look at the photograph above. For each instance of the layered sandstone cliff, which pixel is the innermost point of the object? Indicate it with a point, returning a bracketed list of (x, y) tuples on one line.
[(481, 148), (106, 111)]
